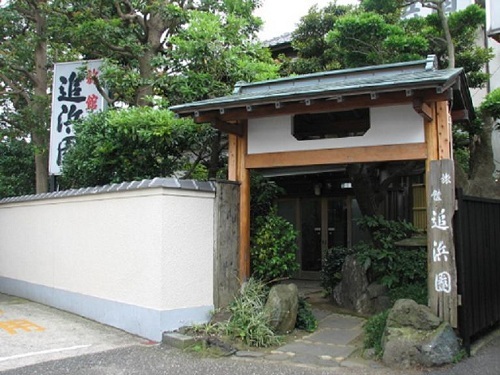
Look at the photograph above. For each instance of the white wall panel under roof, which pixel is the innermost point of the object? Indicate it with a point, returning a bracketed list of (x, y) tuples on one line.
[(391, 125)]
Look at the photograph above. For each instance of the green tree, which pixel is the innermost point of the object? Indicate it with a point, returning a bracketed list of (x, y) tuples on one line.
[(366, 38), (150, 48), (309, 41), (24, 77), (179, 49), (17, 171)]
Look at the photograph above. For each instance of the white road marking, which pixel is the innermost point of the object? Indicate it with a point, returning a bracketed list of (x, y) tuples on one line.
[(44, 352)]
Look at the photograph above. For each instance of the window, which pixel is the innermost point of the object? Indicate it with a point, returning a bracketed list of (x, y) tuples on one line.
[(343, 124)]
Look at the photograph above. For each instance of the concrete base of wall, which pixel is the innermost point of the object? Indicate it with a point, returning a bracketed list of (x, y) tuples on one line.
[(148, 323)]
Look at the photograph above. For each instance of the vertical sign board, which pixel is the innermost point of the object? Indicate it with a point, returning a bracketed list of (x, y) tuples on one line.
[(442, 280), (74, 96)]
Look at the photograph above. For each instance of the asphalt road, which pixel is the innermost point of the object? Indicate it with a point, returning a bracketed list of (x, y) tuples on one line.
[(35, 339), (157, 360)]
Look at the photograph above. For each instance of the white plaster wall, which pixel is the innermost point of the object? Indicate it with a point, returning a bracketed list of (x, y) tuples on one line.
[(389, 126), (148, 248)]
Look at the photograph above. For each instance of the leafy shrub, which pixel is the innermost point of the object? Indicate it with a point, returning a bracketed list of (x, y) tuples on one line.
[(491, 104), (249, 322), (374, 331), (264, 194), (131, 144), (388, 264), (274, 246), (415, 291), (305, 318), (331, 273)]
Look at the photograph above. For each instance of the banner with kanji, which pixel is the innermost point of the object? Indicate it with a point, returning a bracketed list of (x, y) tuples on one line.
[(74, 95), (443, 298)]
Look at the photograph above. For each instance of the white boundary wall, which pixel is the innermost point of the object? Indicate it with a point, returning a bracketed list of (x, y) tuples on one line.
[(140, 259)]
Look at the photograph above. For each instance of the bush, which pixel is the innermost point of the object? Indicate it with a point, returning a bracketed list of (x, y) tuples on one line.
[(331, 273), (374, 331), (491, 104), (131, 144), (388, 264), (249, 322), (274, 246), (305, 318), (416, 292)]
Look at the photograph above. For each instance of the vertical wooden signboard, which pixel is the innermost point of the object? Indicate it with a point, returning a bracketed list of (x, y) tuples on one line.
[(442, 279)]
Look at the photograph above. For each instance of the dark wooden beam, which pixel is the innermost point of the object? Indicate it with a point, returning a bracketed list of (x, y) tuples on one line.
[(234, 128), (461, 115), (423, 109), (318, 105)]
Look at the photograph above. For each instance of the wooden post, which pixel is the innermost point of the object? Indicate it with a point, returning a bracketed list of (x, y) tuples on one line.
[(442, 279), (237, 171), (440, 183), (244, 179), (232, 167)]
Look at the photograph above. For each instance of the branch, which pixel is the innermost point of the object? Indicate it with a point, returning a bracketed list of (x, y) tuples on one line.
[(17, 89), (26, 73), (131, 17), (124, 51), (103, 92)]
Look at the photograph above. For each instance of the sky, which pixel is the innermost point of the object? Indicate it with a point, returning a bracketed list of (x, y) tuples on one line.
[(282, 16)]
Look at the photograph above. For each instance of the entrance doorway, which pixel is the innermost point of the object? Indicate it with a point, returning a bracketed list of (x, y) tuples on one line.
[(322, 223)]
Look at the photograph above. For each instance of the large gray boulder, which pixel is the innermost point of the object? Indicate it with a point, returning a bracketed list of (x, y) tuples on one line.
[(282, 306), (415, 337), (355, 293), (353, 285)]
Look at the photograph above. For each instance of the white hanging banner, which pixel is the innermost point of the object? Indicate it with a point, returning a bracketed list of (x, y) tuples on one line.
[(74, 95)]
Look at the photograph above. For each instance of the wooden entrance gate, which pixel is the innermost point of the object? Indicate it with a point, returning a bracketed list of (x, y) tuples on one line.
[(477, 244)]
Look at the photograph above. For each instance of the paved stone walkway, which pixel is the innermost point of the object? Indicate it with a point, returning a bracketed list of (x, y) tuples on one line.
[(329, 345), (337, 337)]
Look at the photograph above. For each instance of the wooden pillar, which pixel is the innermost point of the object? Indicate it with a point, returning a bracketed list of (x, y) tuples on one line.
[(238, 172), (244, 179), (440, 185), (232, 167)]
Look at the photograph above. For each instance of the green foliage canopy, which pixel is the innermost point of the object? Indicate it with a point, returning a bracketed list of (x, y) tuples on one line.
[(338, 37)]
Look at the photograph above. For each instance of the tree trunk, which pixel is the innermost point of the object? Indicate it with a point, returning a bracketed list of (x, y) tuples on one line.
[(214, 155), (482, 182), (40, 132), (366, 193), (447, 34)]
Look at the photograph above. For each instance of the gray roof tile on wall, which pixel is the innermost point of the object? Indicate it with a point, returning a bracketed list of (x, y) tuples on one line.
[(158, 182)]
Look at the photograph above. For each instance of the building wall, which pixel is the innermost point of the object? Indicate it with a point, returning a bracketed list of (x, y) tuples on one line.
[(139, 260), (274, 134)]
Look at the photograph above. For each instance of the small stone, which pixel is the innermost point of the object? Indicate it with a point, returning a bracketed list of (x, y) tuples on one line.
[(177, 340), (248, 354), (277, 357), (326, 357)]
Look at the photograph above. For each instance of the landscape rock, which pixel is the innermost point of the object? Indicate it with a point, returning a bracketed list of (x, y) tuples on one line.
[(282, 306), (408, 313), (355, 293), (415, 337), (353, 285)]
